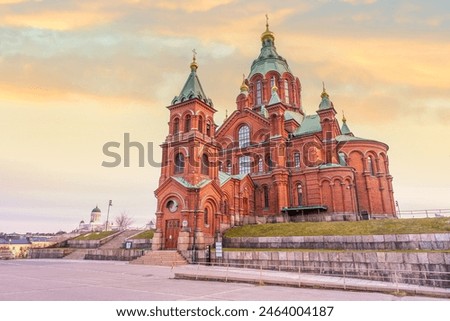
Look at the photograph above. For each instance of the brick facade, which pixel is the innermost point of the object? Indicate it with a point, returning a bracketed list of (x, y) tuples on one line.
[(268, 159)]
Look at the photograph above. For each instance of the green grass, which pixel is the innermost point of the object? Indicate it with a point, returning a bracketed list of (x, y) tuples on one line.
[(94, 236), (145, 235), (372, 227)]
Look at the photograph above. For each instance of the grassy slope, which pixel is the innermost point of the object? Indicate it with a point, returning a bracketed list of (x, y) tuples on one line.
[(374, 227), (144, 235), (94, 236)]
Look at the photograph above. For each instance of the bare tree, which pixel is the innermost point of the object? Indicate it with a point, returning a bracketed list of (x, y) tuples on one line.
[(123, 221)]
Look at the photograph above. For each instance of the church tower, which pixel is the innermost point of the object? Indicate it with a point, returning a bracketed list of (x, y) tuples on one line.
[(189, 194)]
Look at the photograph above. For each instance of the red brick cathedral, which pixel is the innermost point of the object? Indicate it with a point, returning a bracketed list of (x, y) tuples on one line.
[(267, 162)]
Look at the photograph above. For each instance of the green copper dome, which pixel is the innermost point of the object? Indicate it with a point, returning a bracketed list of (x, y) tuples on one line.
[(268, 58)]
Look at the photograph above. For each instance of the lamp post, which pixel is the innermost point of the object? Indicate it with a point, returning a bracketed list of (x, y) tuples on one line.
[(107, 216)]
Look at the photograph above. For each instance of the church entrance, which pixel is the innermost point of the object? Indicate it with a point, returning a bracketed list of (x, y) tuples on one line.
[(171, 235)]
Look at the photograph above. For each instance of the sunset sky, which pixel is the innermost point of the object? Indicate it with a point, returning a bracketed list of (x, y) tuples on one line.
[(75, 75)]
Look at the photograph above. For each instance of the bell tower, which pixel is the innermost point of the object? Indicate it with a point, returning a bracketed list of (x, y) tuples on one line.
[(189, 171)]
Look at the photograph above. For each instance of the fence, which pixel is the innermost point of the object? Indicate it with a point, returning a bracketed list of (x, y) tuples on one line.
[(346, 277), (424, 213)]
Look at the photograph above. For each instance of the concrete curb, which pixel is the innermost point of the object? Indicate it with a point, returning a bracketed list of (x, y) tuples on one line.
[(382, 288)]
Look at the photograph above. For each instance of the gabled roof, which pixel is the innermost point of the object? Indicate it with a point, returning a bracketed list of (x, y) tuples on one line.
[(185, 183), (309, 125), (225, 177), (289, 115)]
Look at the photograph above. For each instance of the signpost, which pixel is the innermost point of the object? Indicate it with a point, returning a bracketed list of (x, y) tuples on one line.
[(219, 251)]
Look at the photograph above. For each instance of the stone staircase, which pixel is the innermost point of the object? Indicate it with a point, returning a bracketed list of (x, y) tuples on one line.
[(164, 258), (116, 242), (6, 254)]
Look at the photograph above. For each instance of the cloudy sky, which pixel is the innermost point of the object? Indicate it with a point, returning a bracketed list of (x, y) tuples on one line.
[(77, 74)]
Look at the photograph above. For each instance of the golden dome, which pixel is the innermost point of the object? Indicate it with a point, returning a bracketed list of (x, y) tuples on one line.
[(267, 34), (194, 65), (244, 86)]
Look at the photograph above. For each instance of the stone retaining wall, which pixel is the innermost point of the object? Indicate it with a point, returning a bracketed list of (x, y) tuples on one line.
[(114, 254), (356, 242), (48, 253), (411, 267)]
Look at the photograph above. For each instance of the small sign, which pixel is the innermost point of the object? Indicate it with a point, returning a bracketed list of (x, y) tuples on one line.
[(219, 251), (185, 223), (128, 245)]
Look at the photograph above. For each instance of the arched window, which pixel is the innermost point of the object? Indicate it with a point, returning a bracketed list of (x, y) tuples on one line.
[(286, 92), (258, 92), (206, 216), (371, 165), (176, 126), (208, 129), (266, 196), (244, 165), (244, 136), (299, 194), (200, 124), (179, 163), (229, 167), (205, 165), (187, 123), (225, 207), (260, 165), (272, 82), (297, 160), (270, 164)]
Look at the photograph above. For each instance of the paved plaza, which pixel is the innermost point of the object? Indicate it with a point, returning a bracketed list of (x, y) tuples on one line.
[(71, 280)]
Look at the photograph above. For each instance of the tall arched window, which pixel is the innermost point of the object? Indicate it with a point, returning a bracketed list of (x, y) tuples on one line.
[(200, 124), (206, 216), (297, 160), (208, 129), (270, 164), (258, 92), (229, 167), (299, 194), (272, 82), (179, 163), (187, 123), (371, 165), (176, 126), (244, 136), (205, 165), (260, 165), (266, 196), (244, 165), (286, 92), (225, 207)]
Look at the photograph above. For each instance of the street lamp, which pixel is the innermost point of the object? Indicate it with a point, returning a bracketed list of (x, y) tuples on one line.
[(107, 216)]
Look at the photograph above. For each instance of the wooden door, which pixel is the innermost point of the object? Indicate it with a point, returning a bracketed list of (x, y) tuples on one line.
[(171, 235)]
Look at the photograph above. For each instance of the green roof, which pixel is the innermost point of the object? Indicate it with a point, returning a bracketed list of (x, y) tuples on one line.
[(225, 177), (269, 60), (309, 125), (289, 115), (192, 89), (185, 183)]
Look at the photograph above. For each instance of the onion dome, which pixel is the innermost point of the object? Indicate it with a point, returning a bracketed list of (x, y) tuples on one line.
[(268, 58), (244, 87), (326, 102)]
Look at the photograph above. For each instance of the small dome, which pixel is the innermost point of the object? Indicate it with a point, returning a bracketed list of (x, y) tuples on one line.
[(96, 210)]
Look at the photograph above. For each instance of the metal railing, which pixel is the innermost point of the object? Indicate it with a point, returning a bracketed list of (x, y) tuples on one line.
[(428, 213), (346, 275)]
